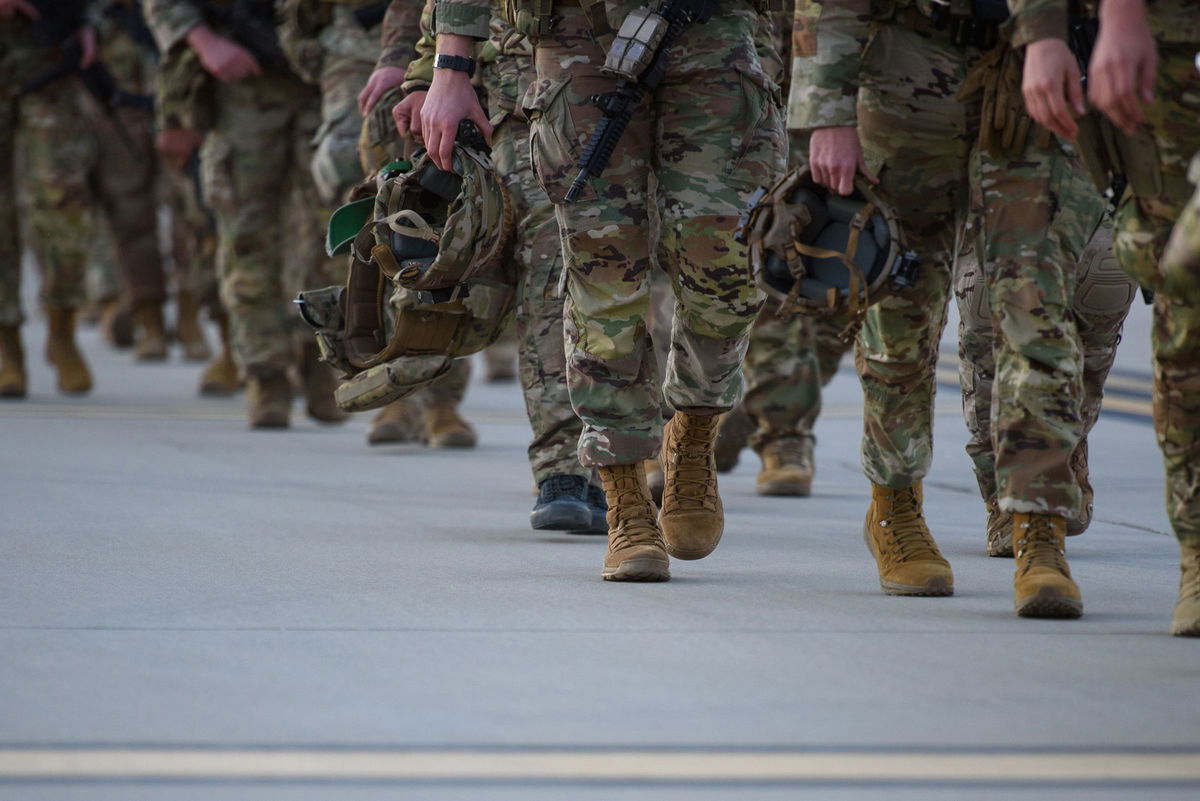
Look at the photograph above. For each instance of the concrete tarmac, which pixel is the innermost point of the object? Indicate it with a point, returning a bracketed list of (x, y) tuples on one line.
[(189, 610)]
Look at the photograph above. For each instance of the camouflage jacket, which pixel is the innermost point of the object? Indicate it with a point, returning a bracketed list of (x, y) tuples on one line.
[(828, 37), (172, 19), (1169, 20), (463, 17), (402, 27)]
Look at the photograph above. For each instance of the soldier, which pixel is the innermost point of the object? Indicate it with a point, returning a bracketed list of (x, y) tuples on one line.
[(568, 497), (229, 77), (714, 108), (431, 415), (1142, 75), (41, 47), (892, 110), (788, 361)]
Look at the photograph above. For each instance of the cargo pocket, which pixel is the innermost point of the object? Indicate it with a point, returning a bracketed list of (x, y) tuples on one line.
[(553, 139), (217, 175), (761, 156)]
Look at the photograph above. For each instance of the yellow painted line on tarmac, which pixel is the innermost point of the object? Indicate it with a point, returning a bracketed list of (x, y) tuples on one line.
[(598, 766)]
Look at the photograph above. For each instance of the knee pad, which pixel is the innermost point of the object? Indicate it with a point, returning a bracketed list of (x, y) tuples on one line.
[(1102, 289)]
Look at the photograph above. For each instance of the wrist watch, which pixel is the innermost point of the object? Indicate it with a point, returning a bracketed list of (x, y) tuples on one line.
[(459, 63)]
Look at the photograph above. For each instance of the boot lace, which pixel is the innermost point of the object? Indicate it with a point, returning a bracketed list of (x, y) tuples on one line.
[(631, 515), (1039, 540), (693, 464), (791, 453), (559, 486), (905, 528)]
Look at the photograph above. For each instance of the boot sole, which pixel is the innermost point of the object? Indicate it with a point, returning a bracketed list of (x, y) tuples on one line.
[(12, 392), (639, 570), (453, 441), (1002, 549), (793, 489), (1050, 603), (1188, 629), (936, 588), (388, 435), (562, 516)]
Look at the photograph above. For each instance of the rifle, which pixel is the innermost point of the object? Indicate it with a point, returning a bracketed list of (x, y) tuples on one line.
[(250, 23), (618, 106)]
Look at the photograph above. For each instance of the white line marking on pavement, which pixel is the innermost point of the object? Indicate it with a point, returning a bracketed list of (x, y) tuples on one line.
[(598, 766)]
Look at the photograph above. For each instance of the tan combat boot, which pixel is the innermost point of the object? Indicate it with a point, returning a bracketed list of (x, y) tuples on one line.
[(692, 518), (74, 377), (908, 559), (1186, 620), (654, 479), (13, 382), (269, 401), (445, 429), (1042, 586), (149, 333), (787, 468), (999, 531), (733, 432), (188, 330), (500, 362), (636, 548), (116, 324), (399, 421), (320, 382), (1079, 466), (220, 378)]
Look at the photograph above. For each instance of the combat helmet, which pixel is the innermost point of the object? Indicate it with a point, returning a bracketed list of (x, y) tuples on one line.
[(818, 253), (428, 282)]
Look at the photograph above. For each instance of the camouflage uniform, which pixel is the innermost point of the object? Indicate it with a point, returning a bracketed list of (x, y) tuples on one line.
[(920, 140), (257, 181), (788, 359), (331, 49), (507, 70), (57, 156), (1102, 300), (710, 133)]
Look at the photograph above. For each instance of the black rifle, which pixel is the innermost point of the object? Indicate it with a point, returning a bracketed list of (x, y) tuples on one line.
[(618, 106), (252, 24), (370, 16)]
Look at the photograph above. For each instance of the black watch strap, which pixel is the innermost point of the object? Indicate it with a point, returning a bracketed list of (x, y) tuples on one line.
[(460, 63)]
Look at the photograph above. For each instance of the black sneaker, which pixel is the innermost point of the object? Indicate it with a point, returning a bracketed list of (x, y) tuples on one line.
[(562, 504), (599, 506)]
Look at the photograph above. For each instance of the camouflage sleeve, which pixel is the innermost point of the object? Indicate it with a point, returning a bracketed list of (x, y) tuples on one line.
[(828, 37), (419, 74), (401, 29), (1033, 20), (464, 17), (170, 20)]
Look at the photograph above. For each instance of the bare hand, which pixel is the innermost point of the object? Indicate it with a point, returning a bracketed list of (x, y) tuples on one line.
[(835, 157), (451, 99), (381, 81), (10, 8), (1124, 65), (87, 46), (177, 145), (407, 114), (1051, 86), (227, 60)]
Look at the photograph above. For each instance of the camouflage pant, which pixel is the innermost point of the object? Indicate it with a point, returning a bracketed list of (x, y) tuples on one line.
[(51, 181), (270, 223), (711, 133), (193, 240), (349, 58), (1102, 298), (1144, 225), (542, 356), (787, 363), (920, 140)]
